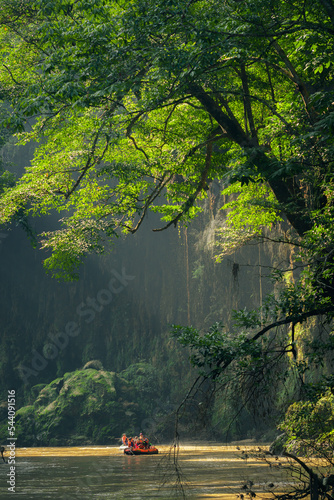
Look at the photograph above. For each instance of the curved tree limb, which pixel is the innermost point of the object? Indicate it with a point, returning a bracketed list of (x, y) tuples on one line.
[(201, 185)]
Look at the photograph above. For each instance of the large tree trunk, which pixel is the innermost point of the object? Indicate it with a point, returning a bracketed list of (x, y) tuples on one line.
[(295, 209)]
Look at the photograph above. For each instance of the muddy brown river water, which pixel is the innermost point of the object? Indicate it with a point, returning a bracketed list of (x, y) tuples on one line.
[(105, 473)]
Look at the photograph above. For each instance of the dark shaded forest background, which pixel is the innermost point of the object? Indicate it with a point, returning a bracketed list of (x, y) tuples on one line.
[(174, 280)]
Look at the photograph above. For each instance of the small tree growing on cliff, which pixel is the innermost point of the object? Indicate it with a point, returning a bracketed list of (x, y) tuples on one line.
[(308, 432)]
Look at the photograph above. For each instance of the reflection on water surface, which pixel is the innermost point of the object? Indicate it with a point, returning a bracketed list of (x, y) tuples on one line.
[(104, 473)]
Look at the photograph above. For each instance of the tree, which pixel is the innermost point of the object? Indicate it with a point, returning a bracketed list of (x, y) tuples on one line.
[(308, 428), (131, 98)]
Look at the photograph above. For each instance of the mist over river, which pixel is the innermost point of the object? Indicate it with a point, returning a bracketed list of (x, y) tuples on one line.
[(103, 473)]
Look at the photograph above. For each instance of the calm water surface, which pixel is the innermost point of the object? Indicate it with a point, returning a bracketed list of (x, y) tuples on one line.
[(105, 473)]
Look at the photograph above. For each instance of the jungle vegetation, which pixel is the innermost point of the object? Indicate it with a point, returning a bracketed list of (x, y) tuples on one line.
[(139, 106)]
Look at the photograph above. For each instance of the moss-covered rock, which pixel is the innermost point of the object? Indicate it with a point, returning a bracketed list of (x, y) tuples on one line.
[(82, 407), (91, 406), (95, 364), (36, 389)]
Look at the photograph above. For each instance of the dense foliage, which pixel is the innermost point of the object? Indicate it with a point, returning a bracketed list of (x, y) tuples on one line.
[(134, 100), (7, 179)]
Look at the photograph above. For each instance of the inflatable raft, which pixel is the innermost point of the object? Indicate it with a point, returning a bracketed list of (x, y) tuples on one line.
[(141, 451)]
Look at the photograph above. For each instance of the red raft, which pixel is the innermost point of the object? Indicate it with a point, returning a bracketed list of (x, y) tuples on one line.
[(142, 451)]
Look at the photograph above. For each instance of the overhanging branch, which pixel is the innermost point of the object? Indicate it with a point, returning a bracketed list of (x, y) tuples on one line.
[(298, 318)]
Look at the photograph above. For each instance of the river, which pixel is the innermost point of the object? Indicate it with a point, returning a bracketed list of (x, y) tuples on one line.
[(105, 473)]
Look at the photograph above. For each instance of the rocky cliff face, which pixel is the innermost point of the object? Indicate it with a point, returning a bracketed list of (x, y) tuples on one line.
[(121, 309)]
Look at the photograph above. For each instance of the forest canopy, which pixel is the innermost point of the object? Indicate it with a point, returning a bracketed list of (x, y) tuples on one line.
[(139, 106)]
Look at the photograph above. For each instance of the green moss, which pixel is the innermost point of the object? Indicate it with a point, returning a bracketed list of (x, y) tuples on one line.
[(26, 424), (24, 412), (36, 389), (83, 407)]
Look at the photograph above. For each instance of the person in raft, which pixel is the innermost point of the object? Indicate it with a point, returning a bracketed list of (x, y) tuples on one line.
[(143, 442), (124, 439), (131, 443)]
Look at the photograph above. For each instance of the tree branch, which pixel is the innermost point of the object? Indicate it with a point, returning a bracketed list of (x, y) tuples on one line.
[(298, 318), (201, 185), (149, 201), (89, 163), (129, 130), (295, 78), (247, 104), (264, 164), (231, 126)]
